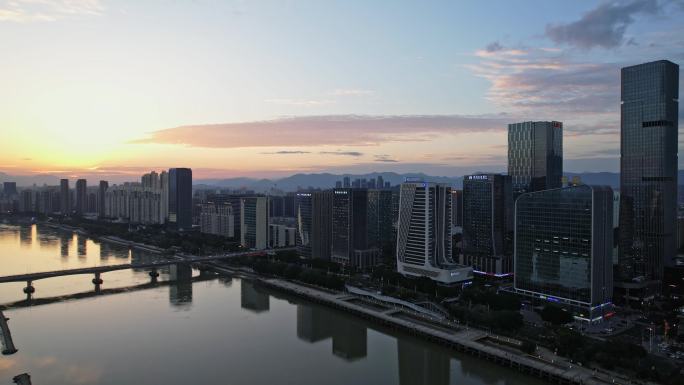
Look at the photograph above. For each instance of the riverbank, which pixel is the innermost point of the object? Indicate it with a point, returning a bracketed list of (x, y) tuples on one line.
[(107, 238), (463, 339)]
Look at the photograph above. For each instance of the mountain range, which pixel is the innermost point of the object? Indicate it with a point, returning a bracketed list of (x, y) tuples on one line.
[(323, 180)]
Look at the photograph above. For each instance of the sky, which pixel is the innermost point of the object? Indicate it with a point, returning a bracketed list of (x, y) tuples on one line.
[(109, 89)]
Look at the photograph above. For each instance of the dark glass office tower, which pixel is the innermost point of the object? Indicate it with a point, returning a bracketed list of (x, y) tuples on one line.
[(488, 224), (380, 221), (81, 198), (180, 198), (314, 224), (321, 224), (304, 222), (535, 156), (648, 175), (101, 191), (350, 245), (564, 247), (64, 196), (457, 207)]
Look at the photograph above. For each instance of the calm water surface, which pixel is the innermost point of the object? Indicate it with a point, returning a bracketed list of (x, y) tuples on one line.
[(197, 331)]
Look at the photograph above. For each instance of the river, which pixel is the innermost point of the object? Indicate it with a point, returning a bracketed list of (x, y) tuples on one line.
[(198, 330)]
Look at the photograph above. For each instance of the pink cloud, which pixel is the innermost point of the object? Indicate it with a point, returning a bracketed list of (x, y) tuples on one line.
[(325, 130)]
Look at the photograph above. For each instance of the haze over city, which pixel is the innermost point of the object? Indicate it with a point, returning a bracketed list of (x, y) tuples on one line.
[(111, 89)]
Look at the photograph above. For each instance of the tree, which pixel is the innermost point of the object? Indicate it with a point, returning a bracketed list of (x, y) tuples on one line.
[(555, 315), (528, 347)]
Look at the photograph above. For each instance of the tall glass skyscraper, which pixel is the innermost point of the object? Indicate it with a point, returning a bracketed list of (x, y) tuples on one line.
[(314, 224), (648, 175), (564, 246), (180, 198), (350, 244), (488, 224), (535, 156)]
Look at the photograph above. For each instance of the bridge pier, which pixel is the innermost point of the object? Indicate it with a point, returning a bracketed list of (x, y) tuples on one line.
[(154, 274), (97, 281), (29, 290)]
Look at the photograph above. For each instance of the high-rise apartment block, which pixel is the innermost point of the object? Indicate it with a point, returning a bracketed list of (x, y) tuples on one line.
[(9, 189), (217, 219), (535, 156), (564, 246), (254, 222), (424, 234)]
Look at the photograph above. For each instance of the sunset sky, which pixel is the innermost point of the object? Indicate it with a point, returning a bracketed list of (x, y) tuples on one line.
[(110, 89)]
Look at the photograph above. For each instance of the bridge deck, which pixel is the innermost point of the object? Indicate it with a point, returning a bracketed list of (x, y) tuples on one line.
[(104, 269)]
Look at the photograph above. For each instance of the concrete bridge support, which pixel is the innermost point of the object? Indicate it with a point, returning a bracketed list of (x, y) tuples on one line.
[(154, 274), (97, 281), (29, 290)]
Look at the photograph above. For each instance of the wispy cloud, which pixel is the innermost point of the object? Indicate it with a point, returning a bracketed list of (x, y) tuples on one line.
[(285, 152), (546, 79), (385, 158), (22, 11), (333, 130), (343, 153), (350, 92), (603, 26), (300, 102)]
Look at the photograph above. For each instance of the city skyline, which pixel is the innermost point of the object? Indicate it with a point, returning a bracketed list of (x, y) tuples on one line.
[(309, 107)]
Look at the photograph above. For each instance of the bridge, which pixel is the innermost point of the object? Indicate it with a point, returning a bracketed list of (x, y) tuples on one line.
[(179, 259)]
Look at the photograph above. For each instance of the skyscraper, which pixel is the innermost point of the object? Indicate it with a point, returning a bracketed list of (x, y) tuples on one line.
[(347, 182), (380, 221), (457, 208), (9, 188), (254, 220), (648, 175), (81, 196), (564, 247), (180, 198), (64, 196), (488, 224), (424, 234), (164, 196), (535, 156), (350, 243), (304, 223), (101, 191)]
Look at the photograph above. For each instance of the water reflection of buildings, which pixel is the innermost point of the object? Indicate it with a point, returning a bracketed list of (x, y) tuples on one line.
[(420, 364), (81, 245), (65, 244), (26, 235), (348, 335), (180, 287), (253, 299)]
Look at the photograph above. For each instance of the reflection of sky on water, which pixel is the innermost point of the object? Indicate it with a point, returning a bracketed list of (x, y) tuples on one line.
[(190, 330), (35, 248)]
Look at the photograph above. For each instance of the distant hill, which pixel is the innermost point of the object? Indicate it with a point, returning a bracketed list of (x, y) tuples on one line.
[(324, 180), (327, 180)]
